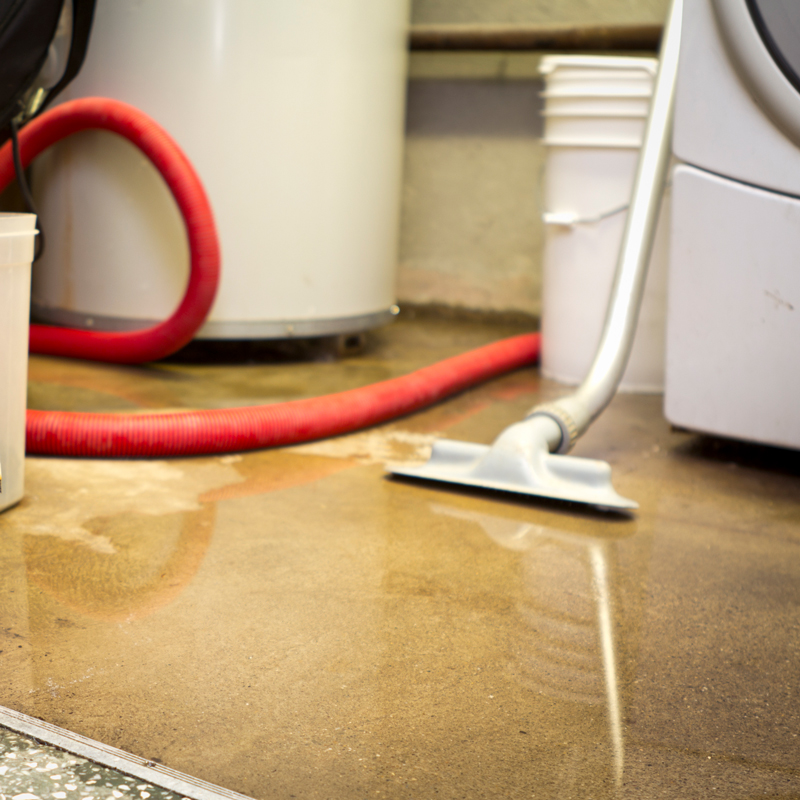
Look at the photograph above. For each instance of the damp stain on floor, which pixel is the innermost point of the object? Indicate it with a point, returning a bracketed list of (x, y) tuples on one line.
[(295, 623)]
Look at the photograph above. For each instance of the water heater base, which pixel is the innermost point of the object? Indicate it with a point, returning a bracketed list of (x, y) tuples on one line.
[(257, 329)]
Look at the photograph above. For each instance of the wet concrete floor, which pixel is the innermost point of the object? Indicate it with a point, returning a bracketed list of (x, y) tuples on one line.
[(293, 623)]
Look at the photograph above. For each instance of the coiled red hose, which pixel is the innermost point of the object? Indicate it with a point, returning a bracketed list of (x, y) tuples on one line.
[(158, 341), (219, 430)]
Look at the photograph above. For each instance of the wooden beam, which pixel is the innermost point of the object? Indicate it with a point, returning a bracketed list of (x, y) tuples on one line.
[(563, 38)]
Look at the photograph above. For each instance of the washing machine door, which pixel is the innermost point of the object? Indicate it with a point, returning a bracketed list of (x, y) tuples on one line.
[(763, 41)]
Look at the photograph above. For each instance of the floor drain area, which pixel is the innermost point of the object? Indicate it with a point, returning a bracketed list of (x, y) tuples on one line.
[(31, 770)]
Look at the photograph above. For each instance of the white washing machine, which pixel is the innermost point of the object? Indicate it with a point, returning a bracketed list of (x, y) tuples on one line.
[(733, 323)]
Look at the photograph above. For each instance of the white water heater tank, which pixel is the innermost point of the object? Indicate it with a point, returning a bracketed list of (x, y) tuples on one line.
[(292, 113)]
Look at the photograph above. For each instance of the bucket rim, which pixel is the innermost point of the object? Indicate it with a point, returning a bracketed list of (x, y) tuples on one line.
[(637, 93), (607, 144), (589, 74), (553, 62), (14, 223), (593, 114), (21, 234)]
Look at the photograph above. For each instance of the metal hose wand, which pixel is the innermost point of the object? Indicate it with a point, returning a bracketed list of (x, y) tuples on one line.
[(520, 459)]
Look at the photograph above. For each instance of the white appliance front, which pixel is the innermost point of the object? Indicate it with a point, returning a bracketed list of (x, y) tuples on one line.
[(733, 310), (733, 339)]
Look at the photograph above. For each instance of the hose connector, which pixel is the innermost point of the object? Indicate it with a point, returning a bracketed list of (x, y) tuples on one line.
[(568, 426)]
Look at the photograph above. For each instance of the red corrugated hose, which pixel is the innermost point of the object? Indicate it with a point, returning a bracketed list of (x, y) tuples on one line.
[(214, 431), (132, 347)]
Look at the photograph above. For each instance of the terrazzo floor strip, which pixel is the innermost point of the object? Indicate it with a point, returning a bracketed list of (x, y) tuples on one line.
[(39, 761)]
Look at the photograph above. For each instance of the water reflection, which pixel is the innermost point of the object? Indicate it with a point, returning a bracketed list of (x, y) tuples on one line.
[(149, 563), (571, 590)]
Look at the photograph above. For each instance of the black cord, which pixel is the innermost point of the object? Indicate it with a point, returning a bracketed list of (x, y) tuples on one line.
[(27, 197)]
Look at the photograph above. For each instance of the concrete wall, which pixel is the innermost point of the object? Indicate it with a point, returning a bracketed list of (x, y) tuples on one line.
[(471, 233)]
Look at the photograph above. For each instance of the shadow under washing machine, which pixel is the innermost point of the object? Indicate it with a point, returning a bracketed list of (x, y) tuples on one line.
[(733, 320)]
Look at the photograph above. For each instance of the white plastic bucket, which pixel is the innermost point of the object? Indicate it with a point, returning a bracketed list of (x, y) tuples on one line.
[(595, 114), (17, 234)]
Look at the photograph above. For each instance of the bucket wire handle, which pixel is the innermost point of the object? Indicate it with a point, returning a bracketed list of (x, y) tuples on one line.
[(568, 219), (25, 190)]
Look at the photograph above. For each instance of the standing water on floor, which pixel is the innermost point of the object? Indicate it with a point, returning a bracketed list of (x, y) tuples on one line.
[(292, 622)]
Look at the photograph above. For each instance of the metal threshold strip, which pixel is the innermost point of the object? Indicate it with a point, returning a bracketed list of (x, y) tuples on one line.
[(118, 760)]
